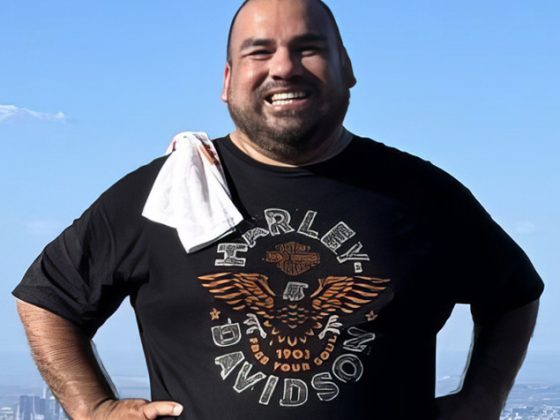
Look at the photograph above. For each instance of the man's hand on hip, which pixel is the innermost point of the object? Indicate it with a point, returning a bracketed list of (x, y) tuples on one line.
[(65, 357), (135, 409)]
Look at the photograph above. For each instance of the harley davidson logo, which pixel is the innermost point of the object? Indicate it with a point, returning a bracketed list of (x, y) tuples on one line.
[(293, 258)]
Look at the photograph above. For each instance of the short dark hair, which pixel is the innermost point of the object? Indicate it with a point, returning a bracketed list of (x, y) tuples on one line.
[(326, 8)]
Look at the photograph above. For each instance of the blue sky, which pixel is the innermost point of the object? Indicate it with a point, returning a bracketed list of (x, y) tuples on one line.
[(90, 91)]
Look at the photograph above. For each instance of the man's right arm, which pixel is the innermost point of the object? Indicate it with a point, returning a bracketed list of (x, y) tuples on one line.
[(65, 358)]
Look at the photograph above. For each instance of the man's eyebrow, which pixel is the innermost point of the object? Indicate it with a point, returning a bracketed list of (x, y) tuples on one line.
[(265, 42), (255, 42), (310, 38)]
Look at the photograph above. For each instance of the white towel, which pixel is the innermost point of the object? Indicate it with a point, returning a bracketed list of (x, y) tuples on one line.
[(190, 193)]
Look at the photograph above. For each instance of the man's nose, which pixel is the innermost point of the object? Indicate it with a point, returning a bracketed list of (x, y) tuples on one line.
[(285, 64)]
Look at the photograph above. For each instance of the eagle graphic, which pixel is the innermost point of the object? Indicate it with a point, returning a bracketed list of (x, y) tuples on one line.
[(335, 298)]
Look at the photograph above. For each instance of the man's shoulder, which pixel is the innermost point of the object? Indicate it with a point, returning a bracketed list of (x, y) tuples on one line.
[(132, 190), (397, 168)]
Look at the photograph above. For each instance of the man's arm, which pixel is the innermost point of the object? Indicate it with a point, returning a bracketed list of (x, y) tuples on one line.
[(497, 353), (65, 357)]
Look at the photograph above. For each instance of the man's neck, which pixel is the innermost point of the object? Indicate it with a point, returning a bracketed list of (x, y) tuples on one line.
[(327, 149)]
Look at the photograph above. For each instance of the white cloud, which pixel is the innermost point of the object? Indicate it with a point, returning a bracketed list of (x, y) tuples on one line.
[(8, 112)]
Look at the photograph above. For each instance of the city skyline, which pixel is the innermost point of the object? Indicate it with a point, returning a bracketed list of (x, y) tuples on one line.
[(536, 401)]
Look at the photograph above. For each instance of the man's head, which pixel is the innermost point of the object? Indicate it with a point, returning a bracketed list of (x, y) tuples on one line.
[(326, 8), (288, 75)]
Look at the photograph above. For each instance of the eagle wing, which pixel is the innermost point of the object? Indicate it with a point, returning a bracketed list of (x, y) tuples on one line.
[(344, 294), (241, 291)]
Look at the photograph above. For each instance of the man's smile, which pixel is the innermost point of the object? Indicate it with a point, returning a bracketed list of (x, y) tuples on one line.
[(291, 99)]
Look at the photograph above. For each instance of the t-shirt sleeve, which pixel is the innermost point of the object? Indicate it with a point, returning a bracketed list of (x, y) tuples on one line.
[(485, 267), (87, 271)]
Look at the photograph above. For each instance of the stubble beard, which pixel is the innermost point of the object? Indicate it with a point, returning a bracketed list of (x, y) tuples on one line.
[(296, 134)]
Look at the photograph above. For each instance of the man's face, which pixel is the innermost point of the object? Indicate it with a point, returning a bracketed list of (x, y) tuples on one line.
[(287, 83)]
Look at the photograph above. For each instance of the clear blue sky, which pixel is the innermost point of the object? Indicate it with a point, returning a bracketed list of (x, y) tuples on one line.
[(91, 90)]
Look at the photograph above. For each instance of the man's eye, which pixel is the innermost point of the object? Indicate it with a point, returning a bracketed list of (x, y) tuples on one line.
[(260, 52), (310, 50)]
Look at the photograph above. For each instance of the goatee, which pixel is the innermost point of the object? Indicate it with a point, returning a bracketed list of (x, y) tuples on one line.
[(296, 132)]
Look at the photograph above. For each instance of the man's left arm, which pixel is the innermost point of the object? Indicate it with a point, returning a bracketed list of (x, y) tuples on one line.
[(497, 352)]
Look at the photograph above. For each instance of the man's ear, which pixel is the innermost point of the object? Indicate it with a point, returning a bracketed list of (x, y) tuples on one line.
[(225, 88), (347, 70)]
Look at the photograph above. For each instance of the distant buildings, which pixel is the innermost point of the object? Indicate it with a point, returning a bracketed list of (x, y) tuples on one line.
[(531, 413), (32, 407), (526, 402), (7, 413)]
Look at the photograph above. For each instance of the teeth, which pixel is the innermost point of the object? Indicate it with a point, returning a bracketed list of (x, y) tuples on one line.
[(282, 102), (286, 97)]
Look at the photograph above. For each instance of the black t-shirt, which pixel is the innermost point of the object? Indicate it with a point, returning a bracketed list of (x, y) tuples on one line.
[(323, 304)]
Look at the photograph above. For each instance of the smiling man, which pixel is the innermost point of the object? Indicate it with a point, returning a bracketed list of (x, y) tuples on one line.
[(287, 82), (325, 301)]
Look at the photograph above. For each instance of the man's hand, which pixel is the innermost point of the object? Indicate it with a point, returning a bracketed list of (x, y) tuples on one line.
[(66, 359), (135, 410)]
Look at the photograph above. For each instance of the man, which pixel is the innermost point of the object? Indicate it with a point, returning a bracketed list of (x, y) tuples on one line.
[(326, 301)]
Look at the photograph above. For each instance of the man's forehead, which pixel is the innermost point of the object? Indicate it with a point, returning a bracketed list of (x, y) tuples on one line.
[(267, 16)]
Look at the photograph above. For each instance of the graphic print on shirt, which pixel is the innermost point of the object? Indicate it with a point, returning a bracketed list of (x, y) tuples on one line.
[(300, 328)]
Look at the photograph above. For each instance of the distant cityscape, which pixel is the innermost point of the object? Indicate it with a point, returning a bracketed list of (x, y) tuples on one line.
[(533, 402), (32, 407), (526, 402)]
